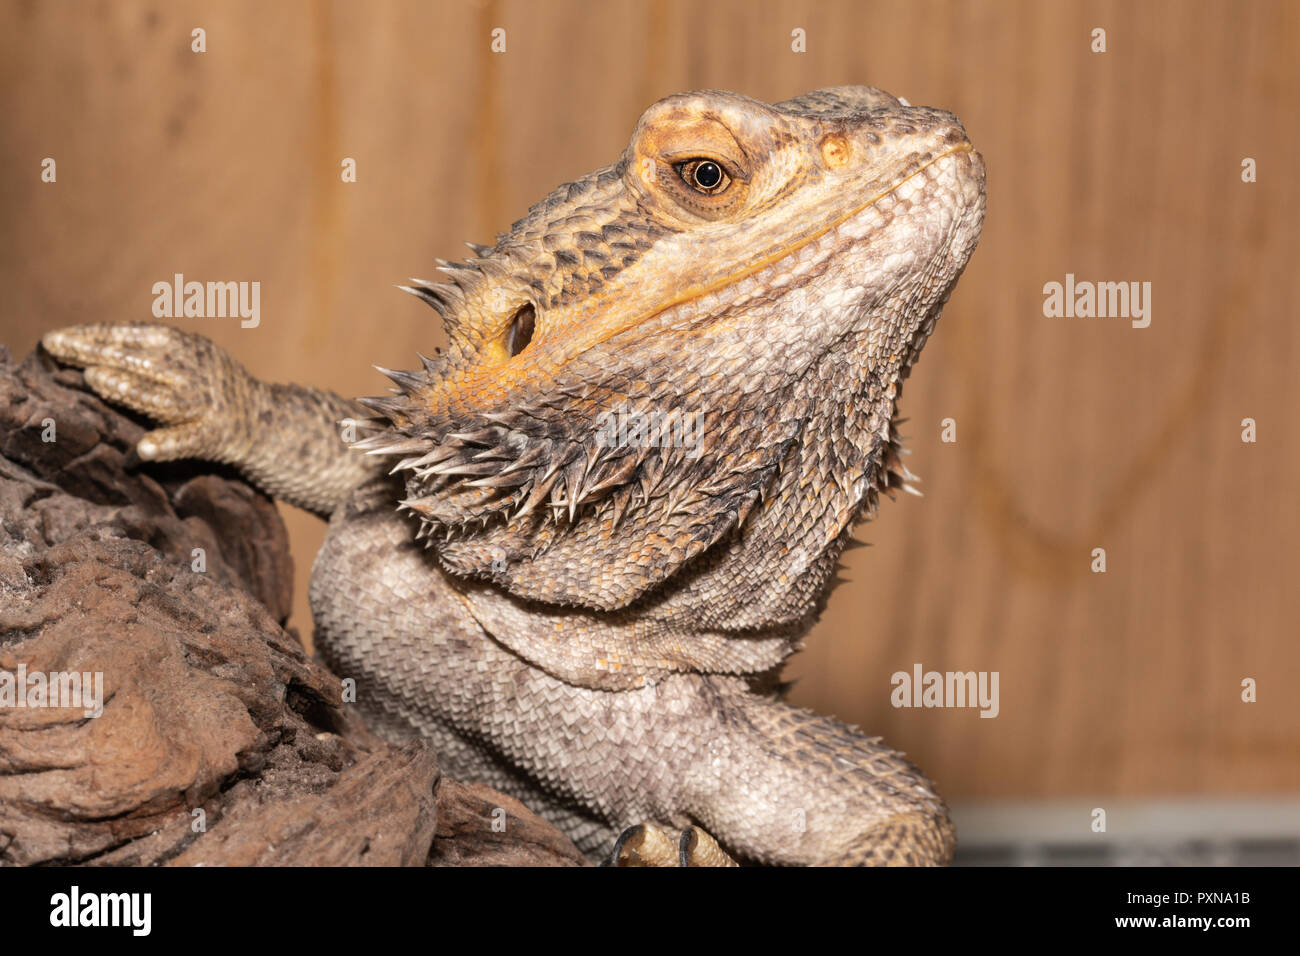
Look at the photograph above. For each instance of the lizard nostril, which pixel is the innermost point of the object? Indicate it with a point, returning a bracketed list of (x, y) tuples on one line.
[(521, 329), (835, 150)]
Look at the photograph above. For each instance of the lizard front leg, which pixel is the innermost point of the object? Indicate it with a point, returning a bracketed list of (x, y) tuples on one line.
[(284, 438), (779, 784), (799, 787)]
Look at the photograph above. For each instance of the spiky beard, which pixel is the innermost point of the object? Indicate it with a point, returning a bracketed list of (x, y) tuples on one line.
[(539, 469), (502, 489)]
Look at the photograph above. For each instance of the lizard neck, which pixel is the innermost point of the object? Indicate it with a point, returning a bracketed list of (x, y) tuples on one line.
[(743, 606)]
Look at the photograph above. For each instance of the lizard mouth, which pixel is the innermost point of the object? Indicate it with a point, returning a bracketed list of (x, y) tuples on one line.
[(757, 266), (949, 256), (874, 201)]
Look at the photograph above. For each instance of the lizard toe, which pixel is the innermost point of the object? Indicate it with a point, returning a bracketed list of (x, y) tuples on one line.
[(123, 346), (161, 402), (190, 440), (649, 844)]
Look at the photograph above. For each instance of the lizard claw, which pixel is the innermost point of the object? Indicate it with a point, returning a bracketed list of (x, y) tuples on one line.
[(178, 379), (648, 844)]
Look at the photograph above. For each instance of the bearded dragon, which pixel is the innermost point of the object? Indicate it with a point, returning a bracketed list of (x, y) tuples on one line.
[(593, 619)]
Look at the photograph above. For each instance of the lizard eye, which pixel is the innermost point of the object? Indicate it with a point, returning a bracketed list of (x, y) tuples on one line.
[(704, 175), (521, 329)]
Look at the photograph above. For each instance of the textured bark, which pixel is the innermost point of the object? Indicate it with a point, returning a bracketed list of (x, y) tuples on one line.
[(478, 826), (208, 702)]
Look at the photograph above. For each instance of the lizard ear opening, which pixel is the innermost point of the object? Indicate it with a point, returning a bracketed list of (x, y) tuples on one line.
[(521, 329)]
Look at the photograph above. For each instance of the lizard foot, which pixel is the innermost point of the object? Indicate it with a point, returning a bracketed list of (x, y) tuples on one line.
[(176, 378), (649, 844)]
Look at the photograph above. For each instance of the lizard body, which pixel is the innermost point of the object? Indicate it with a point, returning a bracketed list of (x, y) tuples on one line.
[(594, 620)]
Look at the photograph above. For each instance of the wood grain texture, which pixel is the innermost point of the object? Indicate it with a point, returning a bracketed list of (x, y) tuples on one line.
[(1072, 433)]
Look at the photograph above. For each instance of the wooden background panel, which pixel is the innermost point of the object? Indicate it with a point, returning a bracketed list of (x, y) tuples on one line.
[(1072, 433)]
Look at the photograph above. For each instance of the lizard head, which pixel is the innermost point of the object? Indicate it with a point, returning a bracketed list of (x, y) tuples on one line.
[(704, 337)]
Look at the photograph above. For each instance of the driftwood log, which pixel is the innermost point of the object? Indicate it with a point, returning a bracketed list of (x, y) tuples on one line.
[(221, 742)]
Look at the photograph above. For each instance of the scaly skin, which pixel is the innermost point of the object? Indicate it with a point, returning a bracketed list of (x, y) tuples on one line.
[(593, 622)]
